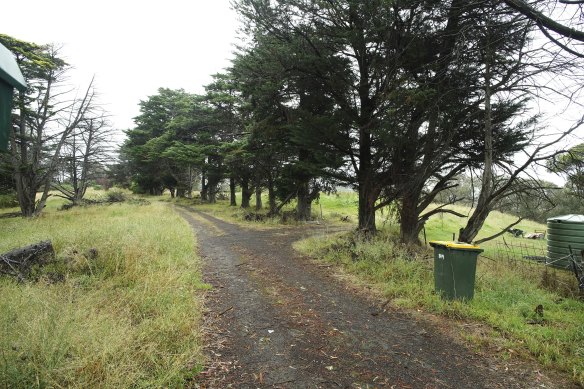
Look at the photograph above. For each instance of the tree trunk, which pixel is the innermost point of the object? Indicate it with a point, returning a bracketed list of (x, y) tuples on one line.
[(82, 183), (483, 208), (365, 175), (304, 204), (367, 196), (245, 193), (366, 210), (258, 194), (474, 224), (232, 196), (272, 197), (212, 197), (191, 182), (203, 186), (23, 173), (409, 222)]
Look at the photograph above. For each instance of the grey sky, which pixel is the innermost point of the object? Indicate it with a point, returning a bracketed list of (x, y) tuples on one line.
[(132, 47)]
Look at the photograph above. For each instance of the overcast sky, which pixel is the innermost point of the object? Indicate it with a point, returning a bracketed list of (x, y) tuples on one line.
[(135, 47), (132, 47)]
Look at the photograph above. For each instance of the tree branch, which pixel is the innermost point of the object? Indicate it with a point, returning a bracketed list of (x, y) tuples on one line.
[(438, 210), (499, 233), (533, 14)]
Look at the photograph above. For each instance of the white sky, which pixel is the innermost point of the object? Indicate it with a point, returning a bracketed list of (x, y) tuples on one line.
[(132, 47)]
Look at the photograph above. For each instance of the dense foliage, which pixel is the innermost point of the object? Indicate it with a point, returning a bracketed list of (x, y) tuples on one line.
[(396, 100)]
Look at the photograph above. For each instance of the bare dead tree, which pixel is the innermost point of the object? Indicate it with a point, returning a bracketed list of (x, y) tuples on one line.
[(77, 112), (514, 179), (513, 73), (85, 154)]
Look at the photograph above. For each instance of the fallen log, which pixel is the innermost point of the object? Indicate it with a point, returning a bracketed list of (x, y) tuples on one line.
[(19, 262)]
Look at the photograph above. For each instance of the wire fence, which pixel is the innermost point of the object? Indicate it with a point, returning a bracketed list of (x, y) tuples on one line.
[(529, 258), (529, 252), (519, 251)]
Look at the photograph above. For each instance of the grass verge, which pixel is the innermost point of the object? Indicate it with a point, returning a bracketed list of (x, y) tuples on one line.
[(505, 298), (128, 318)]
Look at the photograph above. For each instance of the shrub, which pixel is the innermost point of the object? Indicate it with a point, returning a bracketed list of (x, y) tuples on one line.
[(8, 200), (114, 196)]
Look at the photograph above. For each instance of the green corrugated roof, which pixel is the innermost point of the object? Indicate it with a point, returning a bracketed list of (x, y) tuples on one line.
[(6, 92), (10, 78), (9, 70)]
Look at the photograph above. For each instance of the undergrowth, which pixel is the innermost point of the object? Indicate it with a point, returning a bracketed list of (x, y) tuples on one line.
[(506, 298), (127, 315), (8, 200)]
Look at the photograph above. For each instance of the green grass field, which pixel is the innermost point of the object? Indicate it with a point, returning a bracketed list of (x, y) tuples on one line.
[(129, 318)]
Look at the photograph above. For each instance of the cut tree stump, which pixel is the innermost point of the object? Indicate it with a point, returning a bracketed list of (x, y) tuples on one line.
[(18, 262)]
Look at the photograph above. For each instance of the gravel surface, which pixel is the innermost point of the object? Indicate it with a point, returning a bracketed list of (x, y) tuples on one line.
[(275, 319)]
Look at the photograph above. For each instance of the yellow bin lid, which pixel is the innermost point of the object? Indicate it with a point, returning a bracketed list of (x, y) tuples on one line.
[(455, 245)]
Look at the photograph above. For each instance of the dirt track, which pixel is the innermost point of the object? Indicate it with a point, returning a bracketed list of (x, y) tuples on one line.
[(277, 320)]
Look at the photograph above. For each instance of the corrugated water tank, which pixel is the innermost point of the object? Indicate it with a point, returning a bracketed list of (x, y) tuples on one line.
[(564, 232)]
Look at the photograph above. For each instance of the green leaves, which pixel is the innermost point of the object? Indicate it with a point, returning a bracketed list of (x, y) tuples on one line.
[(35, 61), (185, 154), (177, 132), (571, 165)]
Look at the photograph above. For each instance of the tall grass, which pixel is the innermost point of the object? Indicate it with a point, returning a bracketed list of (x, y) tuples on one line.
[(128, 318)]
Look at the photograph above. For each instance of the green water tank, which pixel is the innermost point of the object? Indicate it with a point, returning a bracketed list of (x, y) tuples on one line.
[(564, 232)]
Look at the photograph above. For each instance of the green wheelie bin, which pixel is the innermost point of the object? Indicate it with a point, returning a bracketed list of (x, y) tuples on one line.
[(455, 266)]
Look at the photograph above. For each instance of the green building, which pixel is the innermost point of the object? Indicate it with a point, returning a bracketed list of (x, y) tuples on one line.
[(10, 78)]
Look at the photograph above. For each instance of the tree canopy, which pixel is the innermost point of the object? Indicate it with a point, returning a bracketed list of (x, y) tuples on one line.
[(395, 99)]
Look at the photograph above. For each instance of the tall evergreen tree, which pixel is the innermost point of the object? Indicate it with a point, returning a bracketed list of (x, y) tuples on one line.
[(289, 113), (404, 99)]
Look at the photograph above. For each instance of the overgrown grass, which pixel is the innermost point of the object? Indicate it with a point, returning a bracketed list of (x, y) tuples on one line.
[(128, 318), (505, 298)]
